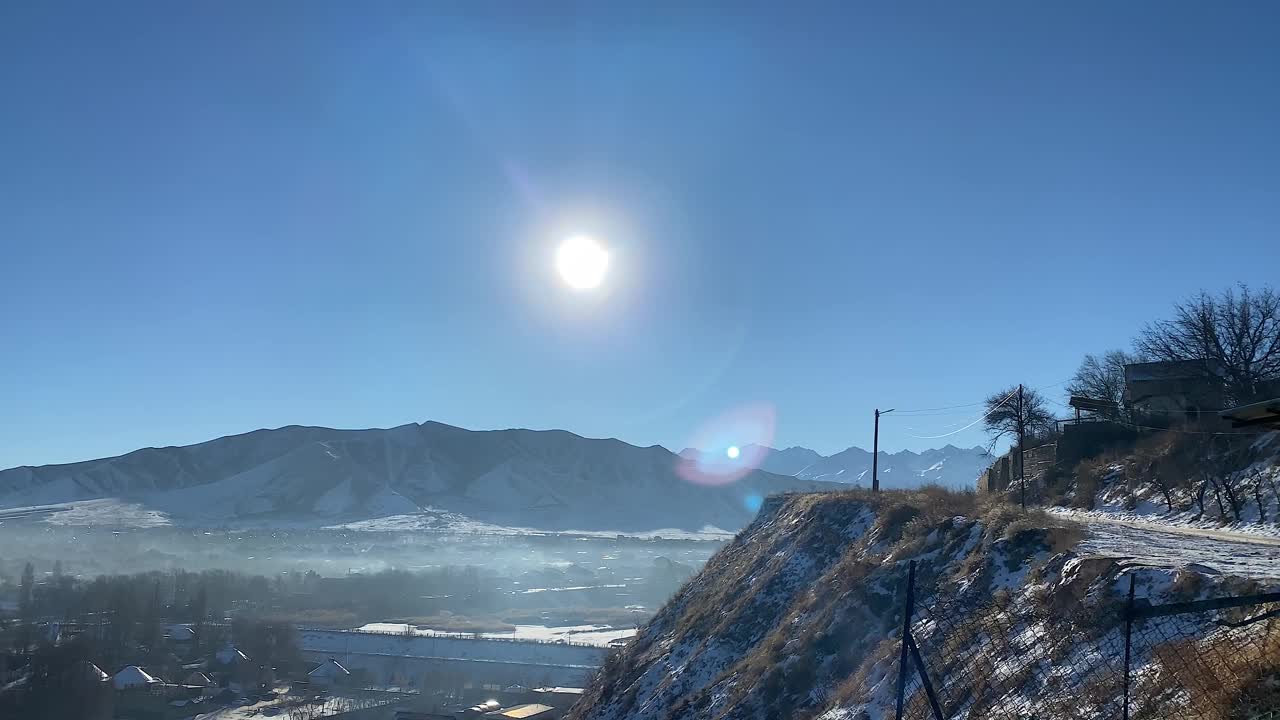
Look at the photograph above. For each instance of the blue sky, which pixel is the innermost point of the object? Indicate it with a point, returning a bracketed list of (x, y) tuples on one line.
[(216, 217)]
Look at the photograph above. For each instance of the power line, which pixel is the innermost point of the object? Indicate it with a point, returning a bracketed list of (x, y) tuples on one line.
[(979, 419), (922, 411), (947, 407), (1060, 382)]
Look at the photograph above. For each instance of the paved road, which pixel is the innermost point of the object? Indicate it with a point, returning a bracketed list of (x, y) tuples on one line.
[(1163, 545)]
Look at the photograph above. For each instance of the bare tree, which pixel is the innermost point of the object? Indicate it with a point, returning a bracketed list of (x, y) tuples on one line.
[(1255, 475), (1003, 419), (1101, 377), (1237, 330), (1156, 464)]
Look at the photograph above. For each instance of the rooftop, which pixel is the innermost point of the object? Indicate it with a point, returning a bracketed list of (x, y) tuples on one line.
[(1168, 370), (523, 711)]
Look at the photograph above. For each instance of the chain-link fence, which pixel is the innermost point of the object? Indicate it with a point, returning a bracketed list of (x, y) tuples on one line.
[(1053, 658)]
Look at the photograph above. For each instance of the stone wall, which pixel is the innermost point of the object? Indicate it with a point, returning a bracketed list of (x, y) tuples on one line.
[(1004, 471)]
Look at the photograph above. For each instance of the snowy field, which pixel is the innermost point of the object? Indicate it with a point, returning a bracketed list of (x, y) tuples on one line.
[(92, 537), (398, 659), (596, 635), (121, 514)]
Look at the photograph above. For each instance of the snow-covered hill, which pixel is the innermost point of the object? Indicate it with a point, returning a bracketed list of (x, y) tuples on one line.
[(799, 617), (539, 479), (948, 466)]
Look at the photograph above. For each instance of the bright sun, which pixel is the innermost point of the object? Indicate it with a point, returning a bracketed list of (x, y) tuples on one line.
[(582, 262)]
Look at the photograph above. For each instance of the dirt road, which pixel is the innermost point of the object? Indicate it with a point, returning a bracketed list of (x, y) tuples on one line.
[(1165, 545)]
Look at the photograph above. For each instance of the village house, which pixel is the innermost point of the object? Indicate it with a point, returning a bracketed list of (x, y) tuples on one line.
[(329, 673), (133, 677)]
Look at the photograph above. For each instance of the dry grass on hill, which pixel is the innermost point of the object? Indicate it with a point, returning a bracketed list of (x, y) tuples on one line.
[(804, 594)]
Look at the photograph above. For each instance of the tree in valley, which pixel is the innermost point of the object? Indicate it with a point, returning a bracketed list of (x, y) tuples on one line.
[(151, 631), (269, 643), (199, 612), (62, 682), (1237, 331), (26, 606)]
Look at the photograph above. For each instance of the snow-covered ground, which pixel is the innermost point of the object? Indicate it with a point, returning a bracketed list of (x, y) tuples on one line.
[(1156, 516), (125, 514), (433, 520), (1230, 553), (399, 658), (283, 709), (597, 635), (106, 512)]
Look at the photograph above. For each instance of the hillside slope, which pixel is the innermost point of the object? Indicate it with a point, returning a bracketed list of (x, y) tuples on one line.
[(796, 618), (540, 479)]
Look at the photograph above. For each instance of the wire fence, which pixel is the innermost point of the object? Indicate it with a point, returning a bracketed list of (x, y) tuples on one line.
[(991, 658)]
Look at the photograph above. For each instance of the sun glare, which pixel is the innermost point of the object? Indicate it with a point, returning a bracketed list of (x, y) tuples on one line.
[(582, 262)]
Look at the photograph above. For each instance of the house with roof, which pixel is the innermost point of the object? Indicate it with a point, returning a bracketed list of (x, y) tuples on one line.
[(179, 633), (133, 677), (198, 679), (561, 698), (531, 711), (1175, 389), (84, 671), (329, 672), (230, 655)]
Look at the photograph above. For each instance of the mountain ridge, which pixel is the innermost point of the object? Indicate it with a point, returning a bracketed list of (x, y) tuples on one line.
[(949, 466), (545, 479)]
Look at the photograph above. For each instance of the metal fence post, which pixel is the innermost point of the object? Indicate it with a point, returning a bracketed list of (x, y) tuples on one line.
[(924, 678), (906, 635), (1128, 644)]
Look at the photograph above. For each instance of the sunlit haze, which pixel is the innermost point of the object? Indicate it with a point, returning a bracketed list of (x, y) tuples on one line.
[(216, 217)]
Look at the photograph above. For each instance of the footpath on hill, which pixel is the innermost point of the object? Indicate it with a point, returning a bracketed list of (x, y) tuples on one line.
[(1154, 543)]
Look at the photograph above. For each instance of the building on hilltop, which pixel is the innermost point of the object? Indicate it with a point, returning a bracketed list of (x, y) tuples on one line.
[(1186, 388)]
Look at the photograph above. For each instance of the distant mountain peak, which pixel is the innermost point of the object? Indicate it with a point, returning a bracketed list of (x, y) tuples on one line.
[(948, 465)]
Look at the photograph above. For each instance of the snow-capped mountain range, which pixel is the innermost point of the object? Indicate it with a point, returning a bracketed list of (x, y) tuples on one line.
[(408, 477), (949, 466)]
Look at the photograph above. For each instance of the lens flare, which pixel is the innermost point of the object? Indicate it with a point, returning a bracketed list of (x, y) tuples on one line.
[(729, 446)]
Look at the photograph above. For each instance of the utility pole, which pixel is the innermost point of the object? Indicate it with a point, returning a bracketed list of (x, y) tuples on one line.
[(875, 452), (1022, 457)]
